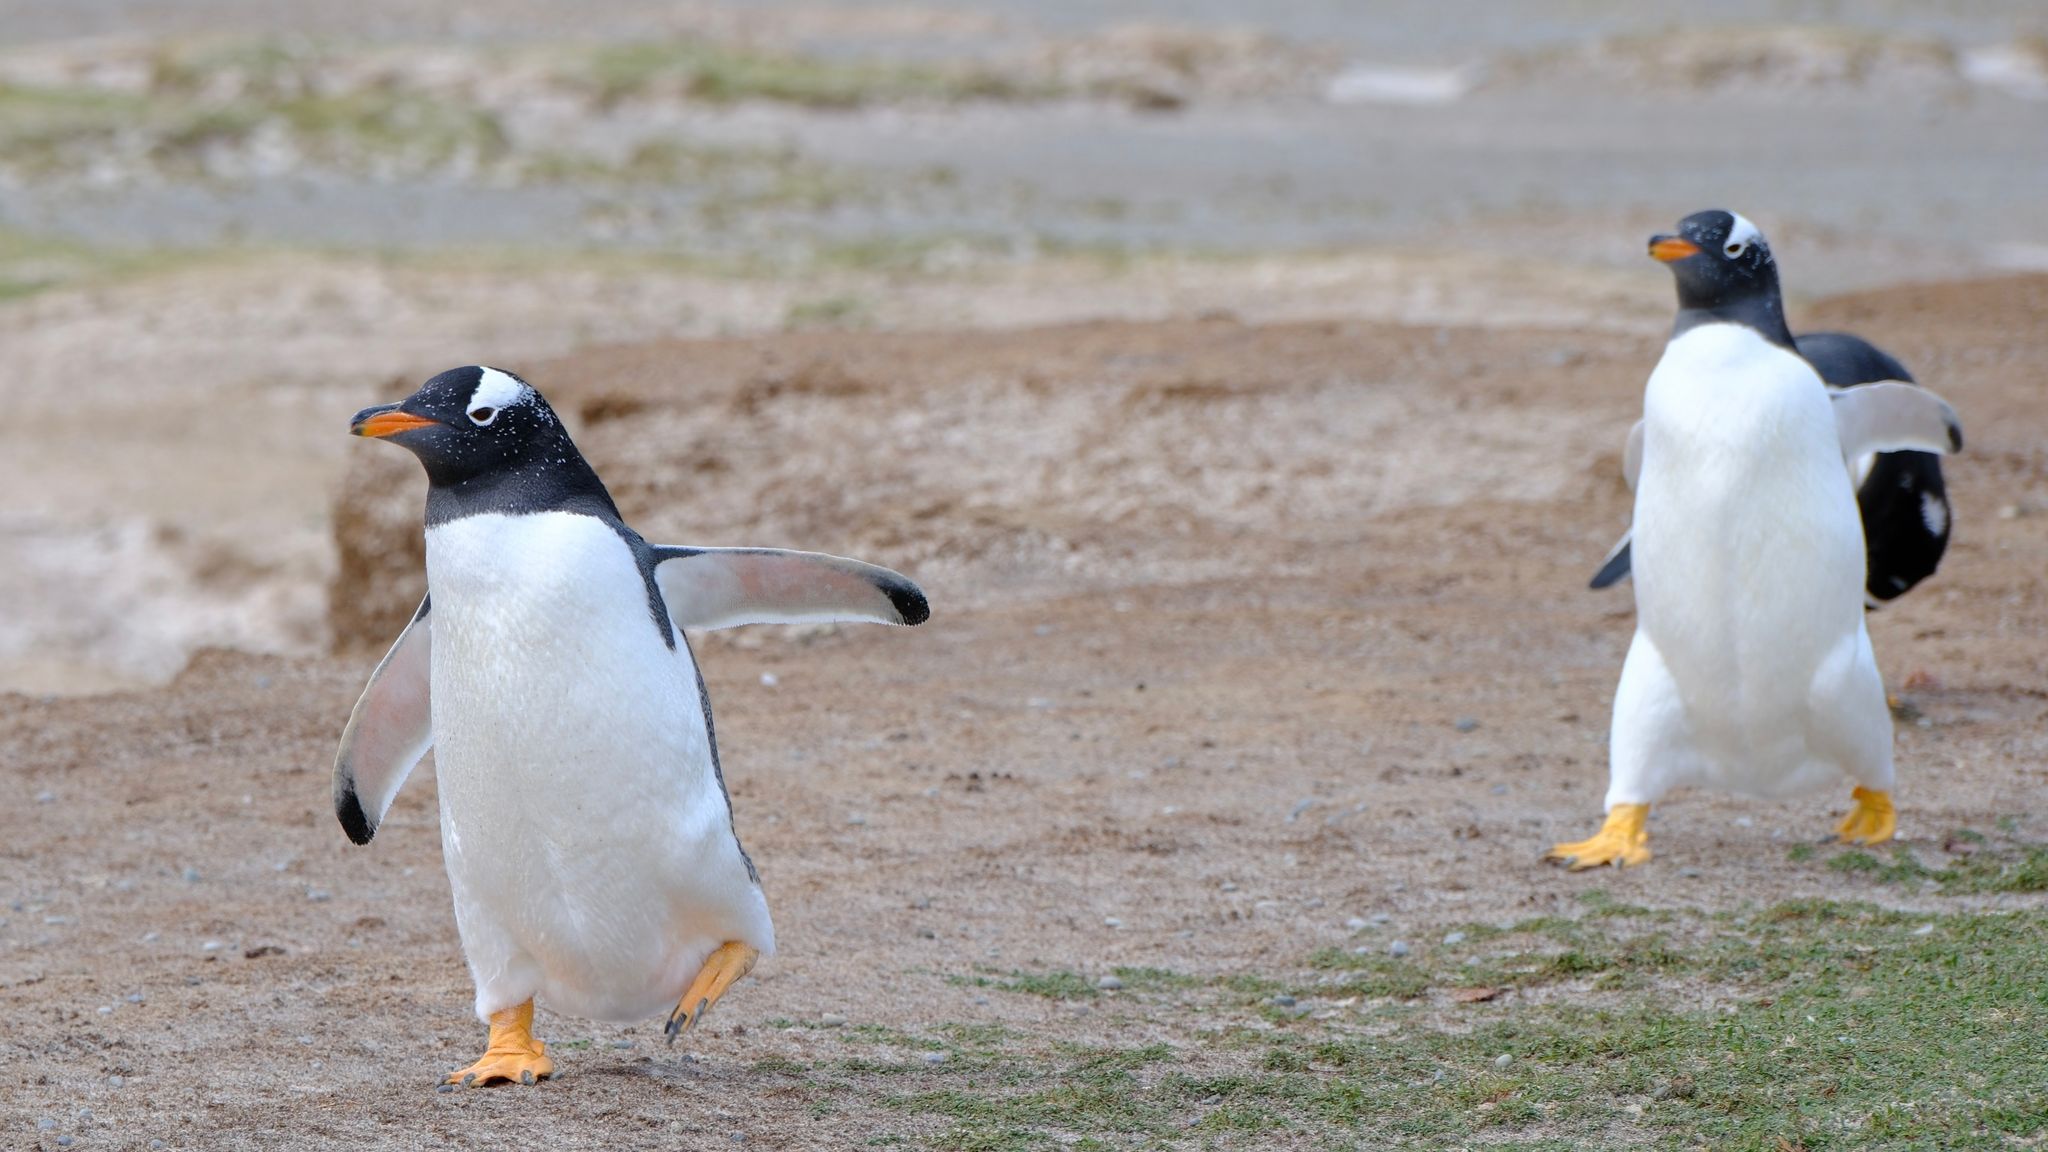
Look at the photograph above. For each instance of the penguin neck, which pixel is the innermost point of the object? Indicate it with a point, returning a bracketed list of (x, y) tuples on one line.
[(1763, 311), (563, 483)]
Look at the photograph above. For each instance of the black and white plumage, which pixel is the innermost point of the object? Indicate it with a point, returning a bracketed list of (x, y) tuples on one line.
[(1900, 495), (585, 824), (1751, 669)]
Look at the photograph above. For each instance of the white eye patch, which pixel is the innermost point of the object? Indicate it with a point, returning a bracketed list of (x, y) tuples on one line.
[(495, 391), (1741, 235)]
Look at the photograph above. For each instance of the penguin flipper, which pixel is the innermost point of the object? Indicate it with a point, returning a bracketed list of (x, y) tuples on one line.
[(1893, 416), (391, 728), (1616, 565), (725, 587)]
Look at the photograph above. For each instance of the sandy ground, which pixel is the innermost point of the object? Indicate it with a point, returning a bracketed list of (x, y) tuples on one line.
[(1240, 631)]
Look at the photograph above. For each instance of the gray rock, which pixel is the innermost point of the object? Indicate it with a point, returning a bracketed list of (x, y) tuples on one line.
[(1398, 948), (1465, 724), (935, 1057), (1503, 1060), (1283, 1001), (832, 1020), (1109, 984), (1454, 938)]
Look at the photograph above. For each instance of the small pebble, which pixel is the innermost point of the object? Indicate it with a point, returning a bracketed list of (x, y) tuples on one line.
[(1379, 918), (1111, 922), (1398, 948), (622, 1044), (1924, 930), (105, 1010), (1454, 938), (85, 1113), (211, 946), (46, 1124), (1465, 724), (1229, 886), (308, 1040), (1354, 924), (319, 896), (46, 797), (1283, 1001), (158, 1144), (1109, 984), (115, 1082), (856, 820), (770, 680), (134, 997), (1744, 822), (191, 875), (935, 1057), (1503, 1060), (64, 1141), (150, 937), (832, 1020), (1689, 873)]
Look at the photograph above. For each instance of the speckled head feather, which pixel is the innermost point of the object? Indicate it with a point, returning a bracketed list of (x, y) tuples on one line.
[(1725, 275), (490, 443)]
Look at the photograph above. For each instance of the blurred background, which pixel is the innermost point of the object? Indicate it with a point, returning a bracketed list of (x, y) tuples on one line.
[(225, 224)]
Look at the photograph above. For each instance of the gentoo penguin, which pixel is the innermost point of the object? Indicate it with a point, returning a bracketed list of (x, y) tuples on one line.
[(585, 825), (1901, 495), (1751, 669)]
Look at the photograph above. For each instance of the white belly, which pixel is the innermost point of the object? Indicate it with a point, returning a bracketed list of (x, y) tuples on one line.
[(1748, 551), (588, 841)]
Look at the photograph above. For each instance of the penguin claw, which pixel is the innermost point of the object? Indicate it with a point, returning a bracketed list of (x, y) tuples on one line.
[(1622, 841), (727, 963), (513, 1056), (1872, 821)]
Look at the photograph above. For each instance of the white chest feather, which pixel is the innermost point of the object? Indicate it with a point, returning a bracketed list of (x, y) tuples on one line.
[(587, 837), (1748, 550)]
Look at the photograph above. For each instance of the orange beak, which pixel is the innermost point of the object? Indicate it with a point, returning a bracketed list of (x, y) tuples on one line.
[(1665, 249), (390, 424)]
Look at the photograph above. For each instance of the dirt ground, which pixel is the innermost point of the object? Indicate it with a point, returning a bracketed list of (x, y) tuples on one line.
[(1240, 633)]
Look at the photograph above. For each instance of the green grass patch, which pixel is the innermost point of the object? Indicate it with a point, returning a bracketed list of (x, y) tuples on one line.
[(724, 73), (1808, 1024), (2015, 868)]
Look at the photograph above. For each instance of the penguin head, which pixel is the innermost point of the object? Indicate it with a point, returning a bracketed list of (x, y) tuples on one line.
[(468, 422), (1719, 259)]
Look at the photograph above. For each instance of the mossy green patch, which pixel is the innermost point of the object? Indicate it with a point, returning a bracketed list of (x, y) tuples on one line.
[(724, 73), (1807, 1024)]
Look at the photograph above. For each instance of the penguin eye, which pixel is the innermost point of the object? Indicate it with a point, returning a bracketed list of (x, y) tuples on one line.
[(481, 417), (1736, 249)]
